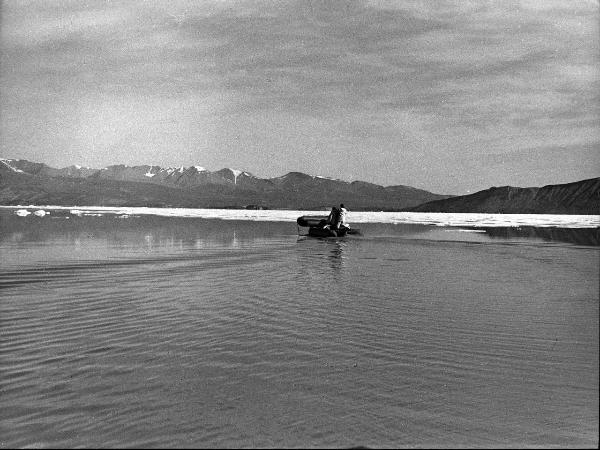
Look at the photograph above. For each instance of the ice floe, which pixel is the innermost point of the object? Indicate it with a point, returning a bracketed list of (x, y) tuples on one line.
[(437, 219), (467, 230)]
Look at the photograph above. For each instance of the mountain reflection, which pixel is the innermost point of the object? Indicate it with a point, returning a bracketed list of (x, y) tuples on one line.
[(579, 236)]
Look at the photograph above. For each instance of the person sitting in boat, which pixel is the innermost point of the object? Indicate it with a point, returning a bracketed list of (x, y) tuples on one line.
[(341, 219), (333, 217)]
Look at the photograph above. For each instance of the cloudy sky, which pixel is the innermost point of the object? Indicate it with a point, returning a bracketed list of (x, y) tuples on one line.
[(449, 96)]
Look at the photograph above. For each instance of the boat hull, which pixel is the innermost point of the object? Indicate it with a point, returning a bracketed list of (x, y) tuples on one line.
[(324, 232), (328, 232), (312, 221), (316, 227)]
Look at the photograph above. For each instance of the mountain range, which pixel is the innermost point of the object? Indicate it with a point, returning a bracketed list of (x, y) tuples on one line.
[(581, 197), (24, 182)]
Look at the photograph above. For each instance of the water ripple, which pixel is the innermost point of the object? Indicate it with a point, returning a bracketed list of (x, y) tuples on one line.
[(383, 342)]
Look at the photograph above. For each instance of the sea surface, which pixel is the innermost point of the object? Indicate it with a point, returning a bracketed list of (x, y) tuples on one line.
[(124, 328)]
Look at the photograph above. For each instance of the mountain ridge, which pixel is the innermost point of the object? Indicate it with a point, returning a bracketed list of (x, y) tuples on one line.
[(27, 182), (23, 181), (579, 197)]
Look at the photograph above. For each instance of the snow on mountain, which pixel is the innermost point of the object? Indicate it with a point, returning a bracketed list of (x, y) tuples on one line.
[(190, 186), (236, 173), (7, 162), (180, 176)]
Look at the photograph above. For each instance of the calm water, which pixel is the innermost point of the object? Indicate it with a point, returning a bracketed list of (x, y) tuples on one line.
[(183, 332)]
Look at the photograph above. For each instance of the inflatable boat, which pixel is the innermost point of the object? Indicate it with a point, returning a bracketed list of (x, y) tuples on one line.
[(317, 227)]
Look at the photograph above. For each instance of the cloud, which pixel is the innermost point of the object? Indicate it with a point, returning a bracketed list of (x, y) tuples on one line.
[(432, 81)]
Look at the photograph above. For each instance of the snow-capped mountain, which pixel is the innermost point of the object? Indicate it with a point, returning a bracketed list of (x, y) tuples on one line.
[(24, 181)]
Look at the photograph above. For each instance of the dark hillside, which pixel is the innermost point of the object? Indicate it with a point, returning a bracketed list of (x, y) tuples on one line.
[(581, 197), (23, 182)]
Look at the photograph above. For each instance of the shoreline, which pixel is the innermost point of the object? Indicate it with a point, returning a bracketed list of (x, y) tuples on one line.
[(475, 220)]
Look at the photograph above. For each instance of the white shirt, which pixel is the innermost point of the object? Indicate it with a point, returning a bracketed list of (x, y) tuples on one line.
[(343, 213)]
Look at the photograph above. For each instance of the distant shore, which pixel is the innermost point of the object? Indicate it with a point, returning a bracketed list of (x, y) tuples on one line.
[(475, 220)]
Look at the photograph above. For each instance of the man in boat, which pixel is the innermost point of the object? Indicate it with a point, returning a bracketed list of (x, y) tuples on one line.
[(341, 218), (332, 219)]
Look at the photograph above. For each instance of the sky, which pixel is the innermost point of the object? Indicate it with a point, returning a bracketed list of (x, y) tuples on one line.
[(448, 96)]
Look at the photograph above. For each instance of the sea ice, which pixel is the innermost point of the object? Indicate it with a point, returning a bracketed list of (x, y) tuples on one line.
[(437, 219)]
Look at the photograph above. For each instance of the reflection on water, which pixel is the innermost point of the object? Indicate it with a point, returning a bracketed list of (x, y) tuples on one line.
[(181, 231), (336, 254), (579, 236), (166, 332)]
